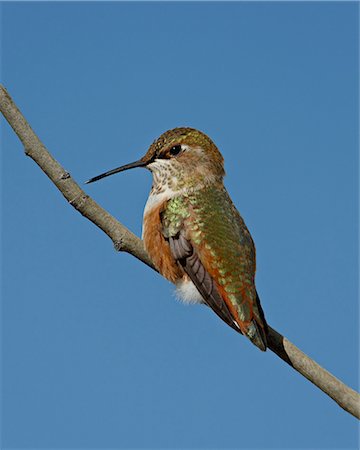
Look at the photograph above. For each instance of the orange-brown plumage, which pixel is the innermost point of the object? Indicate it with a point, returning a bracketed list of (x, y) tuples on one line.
[(157, 247)]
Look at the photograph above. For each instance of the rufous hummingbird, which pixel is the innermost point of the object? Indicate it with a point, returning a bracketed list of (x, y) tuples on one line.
[(193, 233)]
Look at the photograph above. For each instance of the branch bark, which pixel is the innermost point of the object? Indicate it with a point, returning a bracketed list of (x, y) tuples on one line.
[(125, 240)]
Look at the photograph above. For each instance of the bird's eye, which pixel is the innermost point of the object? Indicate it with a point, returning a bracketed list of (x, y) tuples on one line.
[(175, 150)]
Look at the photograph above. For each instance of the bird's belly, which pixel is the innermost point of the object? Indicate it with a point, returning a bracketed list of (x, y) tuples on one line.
[(187, 292)]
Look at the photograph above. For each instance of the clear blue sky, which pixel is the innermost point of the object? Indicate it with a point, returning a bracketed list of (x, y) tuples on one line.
[(97, 352)]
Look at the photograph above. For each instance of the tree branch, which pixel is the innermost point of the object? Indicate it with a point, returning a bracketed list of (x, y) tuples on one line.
[(125, 240)]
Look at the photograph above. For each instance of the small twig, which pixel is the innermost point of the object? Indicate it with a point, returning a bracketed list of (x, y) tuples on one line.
[(125, 240)]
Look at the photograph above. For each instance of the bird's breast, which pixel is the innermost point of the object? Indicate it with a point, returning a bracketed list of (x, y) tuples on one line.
[(158, 196)]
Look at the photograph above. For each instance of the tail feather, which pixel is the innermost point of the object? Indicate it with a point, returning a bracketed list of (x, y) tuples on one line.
[(258, 329), (257, 335)]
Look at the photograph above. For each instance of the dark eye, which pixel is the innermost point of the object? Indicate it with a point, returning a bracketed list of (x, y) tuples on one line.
[(175, 150)]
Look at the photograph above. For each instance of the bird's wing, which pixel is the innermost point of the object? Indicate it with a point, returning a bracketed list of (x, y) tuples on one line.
[(209, 240), (183, 252)]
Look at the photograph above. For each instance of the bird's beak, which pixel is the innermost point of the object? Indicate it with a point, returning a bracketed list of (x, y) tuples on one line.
[(140, 163)]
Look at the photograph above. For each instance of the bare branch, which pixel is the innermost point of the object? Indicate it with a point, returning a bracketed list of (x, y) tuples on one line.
[(125, 240)]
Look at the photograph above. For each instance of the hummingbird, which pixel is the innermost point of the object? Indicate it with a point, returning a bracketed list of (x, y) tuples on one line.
[(194, 234)]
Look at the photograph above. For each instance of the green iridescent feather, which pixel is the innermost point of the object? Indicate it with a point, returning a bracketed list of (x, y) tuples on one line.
[(216, 229)]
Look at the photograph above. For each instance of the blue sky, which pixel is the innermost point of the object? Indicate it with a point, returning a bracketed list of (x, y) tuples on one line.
[(96, 351)]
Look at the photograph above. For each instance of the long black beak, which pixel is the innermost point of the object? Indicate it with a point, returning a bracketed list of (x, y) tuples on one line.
[(139, 163)]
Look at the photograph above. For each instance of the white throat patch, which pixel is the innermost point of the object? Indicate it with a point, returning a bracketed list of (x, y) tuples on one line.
[(162, 175)]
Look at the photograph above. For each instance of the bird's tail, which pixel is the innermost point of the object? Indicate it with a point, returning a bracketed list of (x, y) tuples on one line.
[(258, 328), (257, 335)]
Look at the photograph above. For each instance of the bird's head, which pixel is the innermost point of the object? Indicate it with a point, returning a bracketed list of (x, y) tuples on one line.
[(181, 157)]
